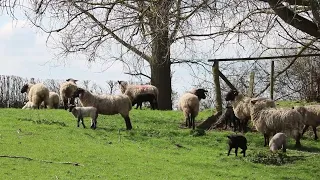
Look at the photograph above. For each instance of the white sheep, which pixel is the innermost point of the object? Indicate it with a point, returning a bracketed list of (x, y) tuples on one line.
[(81, 112), (133, 90), (268, 121), (66, 91), (241, 107), (277, 142), (189, 104), (28, 105), (54, 100), (37, 93), (106, 104), (311, 115)]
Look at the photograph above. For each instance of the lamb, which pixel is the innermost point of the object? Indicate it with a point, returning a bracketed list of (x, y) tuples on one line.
[(241, 107), (237, 141), (106, 104), (268, 120), (277, 142), (81, 112), (37, 93), (28, 105), (140, 98), (133, 90), (54, 100), (189, 104), (66, 91), (311, 115)]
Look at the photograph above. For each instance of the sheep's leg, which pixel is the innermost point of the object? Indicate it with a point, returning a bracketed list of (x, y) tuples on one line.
[(298, 144), (229, 150), (189, 121), (128, 122), (236, 151), (244, 153), (315, 132), (304, 129), (78, 122), (284, 147), (83, 123), (137, 106), (193, 122), (65, 103), (266, 139)]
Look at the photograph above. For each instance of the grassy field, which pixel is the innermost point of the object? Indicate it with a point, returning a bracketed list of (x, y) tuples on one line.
[(46, 144)]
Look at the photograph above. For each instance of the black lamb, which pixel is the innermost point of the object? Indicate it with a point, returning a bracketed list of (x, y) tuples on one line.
[(236, 141), (151, 98)]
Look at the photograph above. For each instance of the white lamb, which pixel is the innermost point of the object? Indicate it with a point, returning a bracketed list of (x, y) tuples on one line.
[(270, 121), (28, 105), (189, 104), (81, 112), (37, 93), (106, 104), (277, 142), (241, 107)]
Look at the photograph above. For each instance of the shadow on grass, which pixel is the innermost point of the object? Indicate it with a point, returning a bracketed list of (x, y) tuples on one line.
[(276, 159), (44, 121), (305, 148)]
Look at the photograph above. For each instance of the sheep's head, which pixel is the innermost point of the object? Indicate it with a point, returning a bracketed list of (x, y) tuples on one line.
[(78, 92), (71, 107), (231, 95), (123, 86), (71, 80), (201, 93), (25, 88)]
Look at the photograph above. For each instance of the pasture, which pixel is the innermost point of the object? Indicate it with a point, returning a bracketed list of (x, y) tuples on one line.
[(46, 144)]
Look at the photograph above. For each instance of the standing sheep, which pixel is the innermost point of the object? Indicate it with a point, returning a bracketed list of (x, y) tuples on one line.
[(66, 91), (311, 115), (133, 90), (237, 141), (81, 112), (277, 142), (151, 98), (241, 107), (106, 104), (189, 103), (54, 100), (37, 93), (269, 121)]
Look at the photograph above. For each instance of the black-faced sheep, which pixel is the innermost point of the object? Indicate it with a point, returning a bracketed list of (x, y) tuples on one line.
[(81, 112), (241, 107), (133, 90), (237, 141), (189, 103), (37, 93), (270, 121), (139, 99), (277, 142), (311, 116), (66, 92), (106, 104)]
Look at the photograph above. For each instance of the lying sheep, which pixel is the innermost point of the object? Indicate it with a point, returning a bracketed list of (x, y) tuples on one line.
[(277, 142), (189, 103), (237, 141), (269, 121), (28, 105), (133, 90), (139, 99), (106, 104), (311, 115), (37, 93), (241, 107), (81, 112), (66, 91)]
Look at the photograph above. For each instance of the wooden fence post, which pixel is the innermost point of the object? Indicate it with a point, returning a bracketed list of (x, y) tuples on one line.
[(272, 79)]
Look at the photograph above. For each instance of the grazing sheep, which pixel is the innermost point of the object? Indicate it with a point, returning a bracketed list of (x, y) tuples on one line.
[(237, 141), (106, 104), (311, 116), (66, 91), (277, 142), (269, 121), (37, 93), (189, 104), (241, 107), (81, 112), (139, 99), (133, 90)]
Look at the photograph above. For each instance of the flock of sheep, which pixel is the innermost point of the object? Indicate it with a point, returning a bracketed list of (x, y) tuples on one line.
[(265, 116)]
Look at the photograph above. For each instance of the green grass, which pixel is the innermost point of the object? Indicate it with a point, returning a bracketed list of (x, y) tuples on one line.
[(48, 145)]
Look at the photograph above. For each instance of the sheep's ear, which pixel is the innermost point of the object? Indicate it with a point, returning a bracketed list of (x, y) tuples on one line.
[(254, 101)]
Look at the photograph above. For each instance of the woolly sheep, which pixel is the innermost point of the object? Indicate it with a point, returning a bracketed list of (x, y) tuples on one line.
[(139, 99), (311, 115), (277, 142), (54, 100), (189, 104), (268, 120), (241, 107), (81, 112), (106, 104), (37, 93), (133, 90), (237, 141), (66, 91)]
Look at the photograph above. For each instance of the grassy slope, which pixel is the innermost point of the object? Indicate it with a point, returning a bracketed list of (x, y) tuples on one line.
[(149, 151)]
